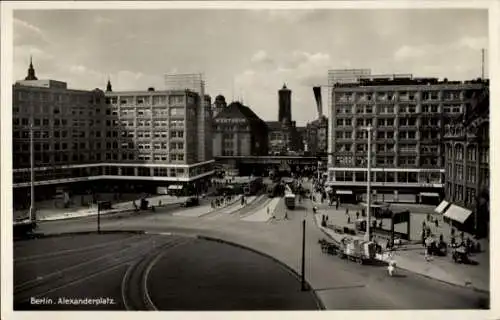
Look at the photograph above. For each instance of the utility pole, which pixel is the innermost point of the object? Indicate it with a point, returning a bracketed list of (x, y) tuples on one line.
[(99, 217), (368, 183), (32, 213), (303, 279), (482, 64)]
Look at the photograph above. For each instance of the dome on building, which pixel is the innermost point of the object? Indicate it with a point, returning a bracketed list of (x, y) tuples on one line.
[(220, 98)]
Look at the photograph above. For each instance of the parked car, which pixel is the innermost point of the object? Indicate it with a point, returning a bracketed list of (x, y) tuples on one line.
[(190, 202)]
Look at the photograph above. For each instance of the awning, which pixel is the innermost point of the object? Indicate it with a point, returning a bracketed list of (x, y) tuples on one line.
[(174, 187), (429, 194), (457, 213), (343, 192), (442, 207)]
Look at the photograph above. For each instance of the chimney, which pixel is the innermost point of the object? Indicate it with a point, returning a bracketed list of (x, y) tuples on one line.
[(319, 102)]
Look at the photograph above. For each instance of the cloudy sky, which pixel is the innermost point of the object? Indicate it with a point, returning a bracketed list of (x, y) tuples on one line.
[(247, 54)]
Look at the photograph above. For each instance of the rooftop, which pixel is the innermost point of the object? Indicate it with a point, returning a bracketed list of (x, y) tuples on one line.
[(370, 81)]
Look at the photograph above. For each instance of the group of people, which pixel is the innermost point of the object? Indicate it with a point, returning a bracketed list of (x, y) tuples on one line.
[(220, 201)]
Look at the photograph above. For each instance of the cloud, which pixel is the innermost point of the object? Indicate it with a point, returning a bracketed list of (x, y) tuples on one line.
[(103, 20), (22, 53), (291, 16), (456, 60), (28, 34), (474, 43), (408, 52), (261, 56), (300, 70)]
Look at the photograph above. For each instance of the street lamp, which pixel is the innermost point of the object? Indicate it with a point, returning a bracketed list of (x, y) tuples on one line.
[(32, 213), (368, 182)]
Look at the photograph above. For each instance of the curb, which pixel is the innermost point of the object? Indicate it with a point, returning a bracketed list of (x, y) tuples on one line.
[(76, 233), (419, 273), (108, 213), (319, 302)]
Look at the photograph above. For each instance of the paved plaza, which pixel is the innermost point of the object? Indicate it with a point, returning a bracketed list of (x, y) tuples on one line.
[(411, 256)]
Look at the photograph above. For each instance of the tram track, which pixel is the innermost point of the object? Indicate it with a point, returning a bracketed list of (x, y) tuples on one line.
[(43, 285), (134, 291)]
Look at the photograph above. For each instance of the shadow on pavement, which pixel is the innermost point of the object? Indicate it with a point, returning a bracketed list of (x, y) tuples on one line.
[(398, 275), (341, 287)]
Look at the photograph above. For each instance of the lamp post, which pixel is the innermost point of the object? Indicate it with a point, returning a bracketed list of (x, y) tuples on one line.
[(32, 213), (303, 260), (368, 182)]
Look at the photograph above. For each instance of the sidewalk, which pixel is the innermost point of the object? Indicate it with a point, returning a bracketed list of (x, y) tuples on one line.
[(50, 214), (411, 256), (263, 215)]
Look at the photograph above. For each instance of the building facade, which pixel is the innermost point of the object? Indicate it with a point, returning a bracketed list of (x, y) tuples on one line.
[(407, 116), (238, 131), (466, 141), (344, 76), (317, 136), (283, 137), (84, 137)]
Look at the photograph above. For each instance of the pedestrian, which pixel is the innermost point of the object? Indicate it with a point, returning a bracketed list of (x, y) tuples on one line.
[(436, 223), (348, 219), (337, 204), (357, 215)]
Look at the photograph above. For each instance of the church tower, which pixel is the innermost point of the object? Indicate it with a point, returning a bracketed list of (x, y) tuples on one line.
[(285, 105), (31, 71), (109, 88)]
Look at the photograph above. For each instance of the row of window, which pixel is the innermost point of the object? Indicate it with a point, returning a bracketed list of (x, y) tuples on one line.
[(401, 177), (390, 147), (155, 100), (403, 108), (403, 122), (403, 96), (471, 154)]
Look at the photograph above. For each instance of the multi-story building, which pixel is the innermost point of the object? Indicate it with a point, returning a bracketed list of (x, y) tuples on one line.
[(196, 83), (238, 131), (283, 137), (301, 138), (81, 137), (466, 140), (407, 116), (317, 136), (344, 76)]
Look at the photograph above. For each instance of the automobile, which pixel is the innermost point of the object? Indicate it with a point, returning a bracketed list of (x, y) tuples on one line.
[(190, 202)]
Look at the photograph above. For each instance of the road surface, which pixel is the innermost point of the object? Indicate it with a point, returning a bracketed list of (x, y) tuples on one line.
[(340, 285), (150, 272)]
